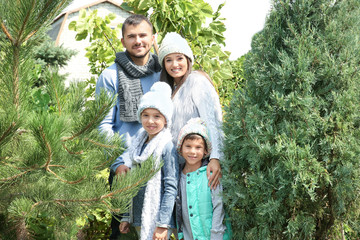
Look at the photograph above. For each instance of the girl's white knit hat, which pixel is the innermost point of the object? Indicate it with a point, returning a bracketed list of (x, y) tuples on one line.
[(159, 97), (174, 43)]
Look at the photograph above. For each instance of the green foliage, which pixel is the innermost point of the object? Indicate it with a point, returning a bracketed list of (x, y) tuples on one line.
[(54, 56), (105, 41), (185, 17), (51, 153), (227, 87), (189, 19), (292, 149)]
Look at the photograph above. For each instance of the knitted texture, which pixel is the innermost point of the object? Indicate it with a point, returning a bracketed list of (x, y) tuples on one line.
[(159, 97), (152, 195), (195, 126), (130, 90), (197, 97), (174, 43)]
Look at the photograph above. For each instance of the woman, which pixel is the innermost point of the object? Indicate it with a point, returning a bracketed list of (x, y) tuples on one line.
[(193, 96)]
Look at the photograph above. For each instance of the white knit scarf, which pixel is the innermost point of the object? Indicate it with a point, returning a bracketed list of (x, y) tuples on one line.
[(152, 195)]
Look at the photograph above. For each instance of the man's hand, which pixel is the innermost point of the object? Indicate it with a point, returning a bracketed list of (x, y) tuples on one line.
[(122, 169), (160, 233), (124, 227), (214, 168)]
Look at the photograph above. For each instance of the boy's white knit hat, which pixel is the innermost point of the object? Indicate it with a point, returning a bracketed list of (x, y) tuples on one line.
[(159, 97), (174, 43), (195, 126)]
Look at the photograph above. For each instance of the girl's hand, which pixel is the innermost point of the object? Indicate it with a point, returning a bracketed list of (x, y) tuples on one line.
[(215, 168), (160, 233), (124, 227)]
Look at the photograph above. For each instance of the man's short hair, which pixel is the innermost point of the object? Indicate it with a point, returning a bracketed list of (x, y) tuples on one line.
[(135, 20)]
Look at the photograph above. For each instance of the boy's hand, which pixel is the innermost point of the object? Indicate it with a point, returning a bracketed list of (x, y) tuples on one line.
[(160, 233), (124, 227), (214, 178)]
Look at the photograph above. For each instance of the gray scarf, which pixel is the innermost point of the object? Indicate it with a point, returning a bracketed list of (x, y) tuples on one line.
[(130, 90)]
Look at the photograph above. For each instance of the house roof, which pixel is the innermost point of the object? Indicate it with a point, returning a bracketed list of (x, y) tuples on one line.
[(77, 5)]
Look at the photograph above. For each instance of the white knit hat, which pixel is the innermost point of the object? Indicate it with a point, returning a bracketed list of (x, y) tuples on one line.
[(174, 43), (195, 126), (159, 97)]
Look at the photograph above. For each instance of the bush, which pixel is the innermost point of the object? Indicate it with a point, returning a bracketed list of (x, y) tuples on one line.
[(292, 149)]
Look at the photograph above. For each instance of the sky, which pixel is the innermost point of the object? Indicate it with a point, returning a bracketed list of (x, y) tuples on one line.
[(244, 18)]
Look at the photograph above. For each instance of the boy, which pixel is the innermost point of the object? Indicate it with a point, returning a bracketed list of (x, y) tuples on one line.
[(153, 206), (199, 210)]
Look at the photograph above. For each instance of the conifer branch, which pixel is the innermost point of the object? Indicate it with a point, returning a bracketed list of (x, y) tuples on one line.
[(104, 163), (16, 176), (30, 35), (63, 180), (244, 126), (87, 126), (56, 95), (106, 204), (17, 42), (6, 32), (7, 132), (46, 165), (70, 152), (16, 81), (110, 195), (100, 144), (41, 14), (57, 166), (21, 230)]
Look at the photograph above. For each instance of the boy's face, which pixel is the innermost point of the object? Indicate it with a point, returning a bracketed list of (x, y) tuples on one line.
[(152, 121), (193, 150)]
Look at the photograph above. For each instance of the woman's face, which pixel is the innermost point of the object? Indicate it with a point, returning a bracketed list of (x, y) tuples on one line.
[(176, 65)]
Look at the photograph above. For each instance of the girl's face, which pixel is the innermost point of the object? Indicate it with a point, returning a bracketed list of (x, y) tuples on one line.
[(152, 121), (176, 65), (193, 150)]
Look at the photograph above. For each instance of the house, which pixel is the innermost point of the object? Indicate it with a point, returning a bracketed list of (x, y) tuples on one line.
[(77, 68)]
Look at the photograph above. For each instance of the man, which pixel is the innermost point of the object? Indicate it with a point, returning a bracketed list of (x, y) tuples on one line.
[(132, 74)]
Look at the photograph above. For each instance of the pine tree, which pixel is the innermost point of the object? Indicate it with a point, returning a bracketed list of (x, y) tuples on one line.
[(52, 156), (292, 148)]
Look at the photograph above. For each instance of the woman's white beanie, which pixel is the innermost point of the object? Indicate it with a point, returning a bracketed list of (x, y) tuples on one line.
[(159, 97), (174, 43)]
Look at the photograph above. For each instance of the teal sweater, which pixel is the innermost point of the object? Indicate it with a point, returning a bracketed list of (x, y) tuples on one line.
[(200, 208)]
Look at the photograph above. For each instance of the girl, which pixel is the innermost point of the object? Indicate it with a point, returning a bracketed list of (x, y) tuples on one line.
[(152, 207)]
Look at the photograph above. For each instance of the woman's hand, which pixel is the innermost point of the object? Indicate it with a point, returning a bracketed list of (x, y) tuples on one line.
[(214, 168)]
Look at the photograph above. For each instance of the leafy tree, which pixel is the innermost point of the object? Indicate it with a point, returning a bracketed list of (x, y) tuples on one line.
[(52, 156), (185, 17), (105, 41), (292, 148), (227, 87)]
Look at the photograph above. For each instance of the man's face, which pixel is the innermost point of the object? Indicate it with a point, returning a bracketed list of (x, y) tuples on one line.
[(138, 41)]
